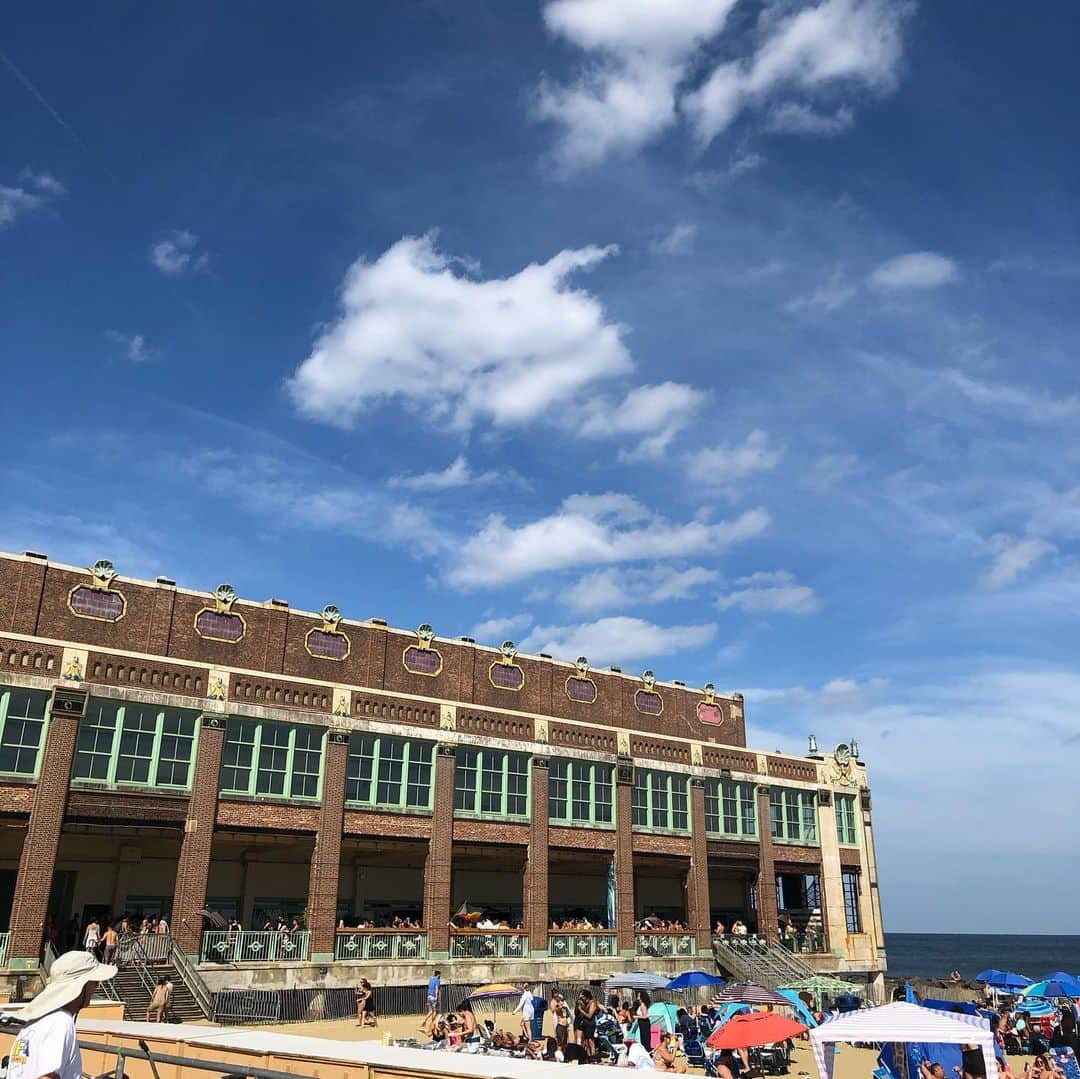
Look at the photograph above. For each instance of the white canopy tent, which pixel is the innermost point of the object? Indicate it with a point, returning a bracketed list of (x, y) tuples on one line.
[(902, 1023)]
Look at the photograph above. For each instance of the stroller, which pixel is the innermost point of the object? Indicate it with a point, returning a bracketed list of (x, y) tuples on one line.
[(608, 1034), (771, 1059)]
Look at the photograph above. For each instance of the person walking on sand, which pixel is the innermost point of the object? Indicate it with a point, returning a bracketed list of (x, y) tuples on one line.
[(48, 1047), (433, 986), (528, 1009)]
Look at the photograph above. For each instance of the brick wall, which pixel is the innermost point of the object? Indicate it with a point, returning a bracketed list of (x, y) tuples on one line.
[(326, 858), (437, 868), (38, 859), (535, 890)]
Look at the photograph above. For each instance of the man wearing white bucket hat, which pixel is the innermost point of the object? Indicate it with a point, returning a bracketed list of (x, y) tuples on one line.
[(48, 1046)]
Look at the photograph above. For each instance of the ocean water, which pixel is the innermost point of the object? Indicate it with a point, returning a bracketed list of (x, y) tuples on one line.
[(933, 955)]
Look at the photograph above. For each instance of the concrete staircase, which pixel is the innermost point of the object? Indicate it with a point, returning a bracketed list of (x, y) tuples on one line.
[(134, 985), (754, 959)]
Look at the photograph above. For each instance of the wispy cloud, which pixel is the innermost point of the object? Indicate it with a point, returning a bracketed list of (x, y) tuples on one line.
[(178, 254), (608, 589), (725, 467), (456, 474), (130, 346), (915, 270), (795, 118), (678, 240), (34, 192), (1014, 556), (776, 592), (498, 629), (616, 640)]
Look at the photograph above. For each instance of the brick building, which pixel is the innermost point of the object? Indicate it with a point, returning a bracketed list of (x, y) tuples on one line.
[(164, 750)]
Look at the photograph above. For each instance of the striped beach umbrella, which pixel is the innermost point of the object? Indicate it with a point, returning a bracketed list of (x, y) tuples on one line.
[(748, 993)]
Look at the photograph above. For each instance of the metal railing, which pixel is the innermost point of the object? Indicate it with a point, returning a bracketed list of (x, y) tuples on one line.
[(223, 946), (380, 944), (47, 956), (488, 944), (657, 943), (219, 1067), (583, 944), (257, 1006), (192, 979), (4, 940)]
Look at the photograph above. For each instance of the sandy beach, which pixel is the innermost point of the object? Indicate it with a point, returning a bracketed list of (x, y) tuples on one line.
[(850, 1063)]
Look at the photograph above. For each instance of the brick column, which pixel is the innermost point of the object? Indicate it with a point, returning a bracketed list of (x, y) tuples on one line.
[(535, 890), (326, 858), (768, 919), (698, 902), (438, 869), (624, 856), (38, 859), (193, 868)]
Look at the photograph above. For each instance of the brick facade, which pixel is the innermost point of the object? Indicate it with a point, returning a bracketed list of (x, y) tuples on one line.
[(326, 858), (624, 860), (38, 859), (535, 884), (698, 906), (768, 917), (437, 869), (193, 868)]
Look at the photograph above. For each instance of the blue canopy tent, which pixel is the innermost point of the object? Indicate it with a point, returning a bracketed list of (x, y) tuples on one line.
[(798, 1006)]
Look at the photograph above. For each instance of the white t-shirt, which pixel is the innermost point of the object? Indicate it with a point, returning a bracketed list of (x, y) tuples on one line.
[(526, 1006), (637, 1056), (47, 1045)]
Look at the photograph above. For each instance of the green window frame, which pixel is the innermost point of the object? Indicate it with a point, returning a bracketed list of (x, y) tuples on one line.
[(793, 815), (730, 808), (491, 782), (847, 833), (272, 760), (128, 744), (580, 792), (390, 773), (24, 717), (660, 801)]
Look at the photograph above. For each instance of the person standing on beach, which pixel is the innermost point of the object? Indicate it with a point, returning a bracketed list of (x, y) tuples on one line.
[(528, 1010), (433, 986), (48, 1047)]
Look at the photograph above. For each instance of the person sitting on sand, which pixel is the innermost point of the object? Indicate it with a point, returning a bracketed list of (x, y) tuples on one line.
[(1043, 1067), (470, 1029)]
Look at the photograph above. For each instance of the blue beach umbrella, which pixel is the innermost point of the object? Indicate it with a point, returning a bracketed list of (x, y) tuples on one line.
[(1008, 979), (690, 979), (988, 975), (1063, 985)]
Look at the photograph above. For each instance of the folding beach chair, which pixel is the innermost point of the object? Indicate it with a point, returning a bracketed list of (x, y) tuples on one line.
[(1065, 1059)]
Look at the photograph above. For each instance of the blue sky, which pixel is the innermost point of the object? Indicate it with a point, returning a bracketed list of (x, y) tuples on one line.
[(730, 339)]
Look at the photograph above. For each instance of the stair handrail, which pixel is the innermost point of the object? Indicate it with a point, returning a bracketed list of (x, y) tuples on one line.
[(190, 976), (131, 948)]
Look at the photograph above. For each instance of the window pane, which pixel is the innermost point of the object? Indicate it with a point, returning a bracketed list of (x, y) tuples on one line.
[(602, 775), (21, 740), (776, 814), (237, 755), (850, 883), (491, 782), (418, 794), (137, 731), (581, 790), (557, 782), (465, 780), (659, 794), (748, 809), (177, 744), (680, 813), (273, 759), (712, 806), (809, 817), (97, 731), (307, 762), (639, 803), (517, 784), (391, 770), (358, 773)]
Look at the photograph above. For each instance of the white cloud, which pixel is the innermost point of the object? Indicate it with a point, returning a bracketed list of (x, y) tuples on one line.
[(590, 530), (795, 118), (777, 592), (627, 97), (617, 639), (131, 346), (679, 240), (829, 296), (35, 191), (742, 162), (178, 254), (828, 46), (413, 329), (723, 467), (456, 474), (652, 415), (1014, 556), (500, 629), (610, 588), (916, 270)]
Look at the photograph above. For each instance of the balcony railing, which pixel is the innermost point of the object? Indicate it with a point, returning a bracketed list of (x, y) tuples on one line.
[(222, 946), (488, 944), (659, 944), (582, 944), (4, 938), (380, 944)]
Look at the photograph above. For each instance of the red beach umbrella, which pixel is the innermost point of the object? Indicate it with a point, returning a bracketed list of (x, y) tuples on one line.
[(757, 1028)]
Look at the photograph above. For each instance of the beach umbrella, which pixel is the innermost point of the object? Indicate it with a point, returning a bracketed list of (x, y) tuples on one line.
[(691, 979), (494, 990), (757, 1028), (748, 993), (1007, 979), (636, 979), (213, 918), (1064, 985), (988, 975)]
